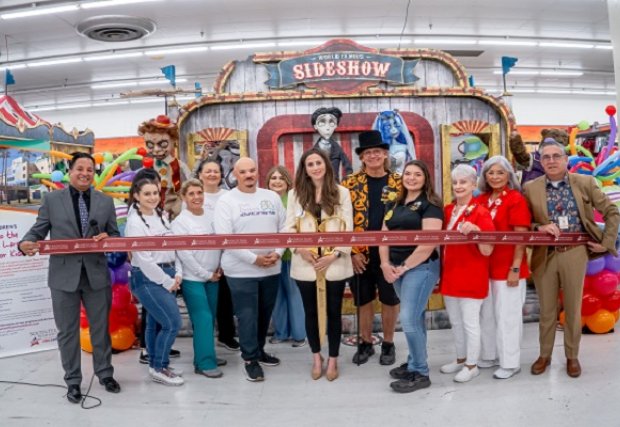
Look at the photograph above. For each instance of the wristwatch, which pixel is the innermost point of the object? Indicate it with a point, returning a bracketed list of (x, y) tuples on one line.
[(515, 269)]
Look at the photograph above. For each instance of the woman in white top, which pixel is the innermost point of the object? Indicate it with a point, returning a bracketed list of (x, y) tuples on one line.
[(209, 172), (155, 279), (201, 271), (317, 199)]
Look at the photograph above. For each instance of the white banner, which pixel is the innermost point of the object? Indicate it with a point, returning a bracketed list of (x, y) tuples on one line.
[(26, 318)]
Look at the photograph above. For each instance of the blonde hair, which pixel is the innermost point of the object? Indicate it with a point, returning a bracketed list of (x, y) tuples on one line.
[(193, 182)]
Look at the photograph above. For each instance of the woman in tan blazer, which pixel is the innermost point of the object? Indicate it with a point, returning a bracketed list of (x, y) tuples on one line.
[(319, 204)]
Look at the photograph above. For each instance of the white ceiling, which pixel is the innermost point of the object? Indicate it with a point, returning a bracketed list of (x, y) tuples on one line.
[(211, 23)]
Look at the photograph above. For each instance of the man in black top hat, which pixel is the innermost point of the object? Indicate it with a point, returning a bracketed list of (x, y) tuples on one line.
[(325, 121), (371, 187)]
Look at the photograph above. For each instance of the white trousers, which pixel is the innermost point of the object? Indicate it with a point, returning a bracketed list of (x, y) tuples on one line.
[(464, 316), (501, 323)]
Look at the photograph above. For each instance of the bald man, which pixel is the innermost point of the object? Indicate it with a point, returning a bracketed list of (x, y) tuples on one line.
[(252, 274)]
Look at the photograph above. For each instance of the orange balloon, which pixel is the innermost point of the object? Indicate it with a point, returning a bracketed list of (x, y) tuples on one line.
[(85, 340), (562, 317), (123, 338), (601, 322), (98, 158)]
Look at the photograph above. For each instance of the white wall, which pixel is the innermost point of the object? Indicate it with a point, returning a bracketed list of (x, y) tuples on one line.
[(531, 109), (528, 109)]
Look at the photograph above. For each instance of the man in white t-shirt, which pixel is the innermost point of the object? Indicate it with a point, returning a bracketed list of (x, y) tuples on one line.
[(252, 274)]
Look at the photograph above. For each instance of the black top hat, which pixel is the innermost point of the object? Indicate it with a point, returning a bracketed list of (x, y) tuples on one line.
[(371, 139)]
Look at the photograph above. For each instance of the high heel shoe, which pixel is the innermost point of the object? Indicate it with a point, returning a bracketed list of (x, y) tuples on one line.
[(317, 372), (331, 374)]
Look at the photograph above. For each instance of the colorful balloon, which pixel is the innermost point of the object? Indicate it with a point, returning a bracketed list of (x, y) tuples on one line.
[(590, 304), (605, 283), (85, 343), (612, 302), (601, 322), (121, 296), (122, 339), (612, 263), (121, 273), (595, 266)]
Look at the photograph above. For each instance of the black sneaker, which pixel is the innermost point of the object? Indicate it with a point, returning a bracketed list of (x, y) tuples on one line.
[(415, 381), (174, 353), (231, 344), (268, 360), (388, 353), (364, 352), (401, 372), (144, 357), (254, 372)]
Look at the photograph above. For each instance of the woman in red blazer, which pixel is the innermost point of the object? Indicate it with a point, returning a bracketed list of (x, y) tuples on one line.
[(501, 316), (465, 273)]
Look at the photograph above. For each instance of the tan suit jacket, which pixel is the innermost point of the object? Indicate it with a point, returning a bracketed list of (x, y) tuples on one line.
[(588, 197), (299, 220)]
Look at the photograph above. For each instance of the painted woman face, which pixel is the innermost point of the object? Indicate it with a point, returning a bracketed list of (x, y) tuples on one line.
[(326, 125)]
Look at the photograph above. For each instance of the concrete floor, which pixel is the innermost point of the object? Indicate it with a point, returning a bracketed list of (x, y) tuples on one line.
[(360, 397)]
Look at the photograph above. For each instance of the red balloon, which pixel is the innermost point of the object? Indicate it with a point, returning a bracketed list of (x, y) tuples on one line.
[(590, 304), (612, 303), (610, 110), (83, 320), (121, 296), (605, 283), (588, 285), (148, 162), (141, 151)]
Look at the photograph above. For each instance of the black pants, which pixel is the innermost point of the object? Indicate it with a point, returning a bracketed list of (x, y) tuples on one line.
[(225, 316), (335, 291)]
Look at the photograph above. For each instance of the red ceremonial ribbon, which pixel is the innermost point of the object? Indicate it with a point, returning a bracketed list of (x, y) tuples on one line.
[(302, 240)]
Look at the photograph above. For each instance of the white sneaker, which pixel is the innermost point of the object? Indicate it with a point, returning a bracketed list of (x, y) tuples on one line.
[(177, 371), (504, 374), (451, 367), (167, 377), (488, 363), (466, 374)]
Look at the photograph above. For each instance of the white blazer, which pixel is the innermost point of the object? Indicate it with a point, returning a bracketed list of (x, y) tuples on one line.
[(297, 216)]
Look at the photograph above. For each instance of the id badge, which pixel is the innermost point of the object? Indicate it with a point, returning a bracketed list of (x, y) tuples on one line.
[(563, 222)]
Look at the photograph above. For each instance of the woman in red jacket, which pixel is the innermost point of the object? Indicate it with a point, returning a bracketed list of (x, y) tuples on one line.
[(501, 316), (465, 273)]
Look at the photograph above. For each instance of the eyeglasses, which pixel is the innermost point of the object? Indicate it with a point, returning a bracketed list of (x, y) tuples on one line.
[(554, 157)]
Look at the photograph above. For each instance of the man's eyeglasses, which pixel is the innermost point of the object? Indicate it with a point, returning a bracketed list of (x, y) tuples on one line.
[(549, 157)]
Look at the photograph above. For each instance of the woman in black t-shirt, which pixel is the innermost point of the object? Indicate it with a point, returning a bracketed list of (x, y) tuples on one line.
[(414, 270)]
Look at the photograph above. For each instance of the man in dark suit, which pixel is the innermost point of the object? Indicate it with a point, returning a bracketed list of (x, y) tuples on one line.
[(564, 202), (78, 212)]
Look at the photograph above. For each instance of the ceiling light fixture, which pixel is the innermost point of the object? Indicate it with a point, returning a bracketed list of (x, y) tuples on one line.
[(113, 56), (382, 41), (38, 11), (173, 51), (444, 41), (566, 45), (158, 81), (107, 3), (519, 72), (562, 73), (242, 46), (302, 43), (12, 67), (507, 43), (113, 85), (54, 62), (604, 46)]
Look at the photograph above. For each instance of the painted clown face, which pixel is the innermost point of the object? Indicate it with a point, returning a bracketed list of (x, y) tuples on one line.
[(158, 144), (326, 125)]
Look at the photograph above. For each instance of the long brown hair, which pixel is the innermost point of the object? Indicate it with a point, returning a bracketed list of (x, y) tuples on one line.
[(428, 189), (304, 187)]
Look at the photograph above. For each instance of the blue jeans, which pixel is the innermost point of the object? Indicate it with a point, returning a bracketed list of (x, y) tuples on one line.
[(162, 308), (288, 313), (414, 289), (253, 300)]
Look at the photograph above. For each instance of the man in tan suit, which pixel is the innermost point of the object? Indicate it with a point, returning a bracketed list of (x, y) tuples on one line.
[(564, 202)]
